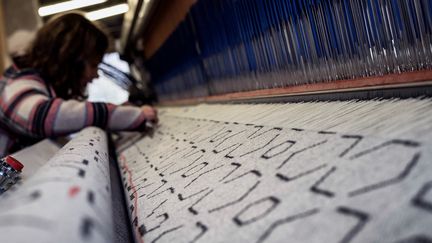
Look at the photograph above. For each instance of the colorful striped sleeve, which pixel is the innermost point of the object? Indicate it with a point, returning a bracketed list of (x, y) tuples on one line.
[(57, 117), (29, 106)]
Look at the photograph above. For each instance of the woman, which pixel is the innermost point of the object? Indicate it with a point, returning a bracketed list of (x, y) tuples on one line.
[(42, 94)]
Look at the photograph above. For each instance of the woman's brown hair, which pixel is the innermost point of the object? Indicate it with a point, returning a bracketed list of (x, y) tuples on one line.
[(60, 50)]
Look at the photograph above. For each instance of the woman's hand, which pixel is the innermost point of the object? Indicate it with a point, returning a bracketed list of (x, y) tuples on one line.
[(150, 113)]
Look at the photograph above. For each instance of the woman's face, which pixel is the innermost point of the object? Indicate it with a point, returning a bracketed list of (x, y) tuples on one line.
[(90, 71)]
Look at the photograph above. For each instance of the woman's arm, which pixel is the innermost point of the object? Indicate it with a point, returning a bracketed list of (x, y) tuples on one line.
[(29, 107)]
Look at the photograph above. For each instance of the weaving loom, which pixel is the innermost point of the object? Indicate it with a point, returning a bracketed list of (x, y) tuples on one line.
[(280, 121)]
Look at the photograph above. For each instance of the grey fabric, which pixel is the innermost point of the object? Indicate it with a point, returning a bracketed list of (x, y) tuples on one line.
[(284, 173)]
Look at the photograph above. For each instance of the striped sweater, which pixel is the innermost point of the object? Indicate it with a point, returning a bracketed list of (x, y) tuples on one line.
[(30, 111)]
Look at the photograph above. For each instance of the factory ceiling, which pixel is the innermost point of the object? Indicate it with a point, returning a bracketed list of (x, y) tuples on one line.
[(113, 23)]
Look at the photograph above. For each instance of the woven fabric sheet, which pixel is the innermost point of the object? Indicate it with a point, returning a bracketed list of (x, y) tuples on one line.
[(304, 172)]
